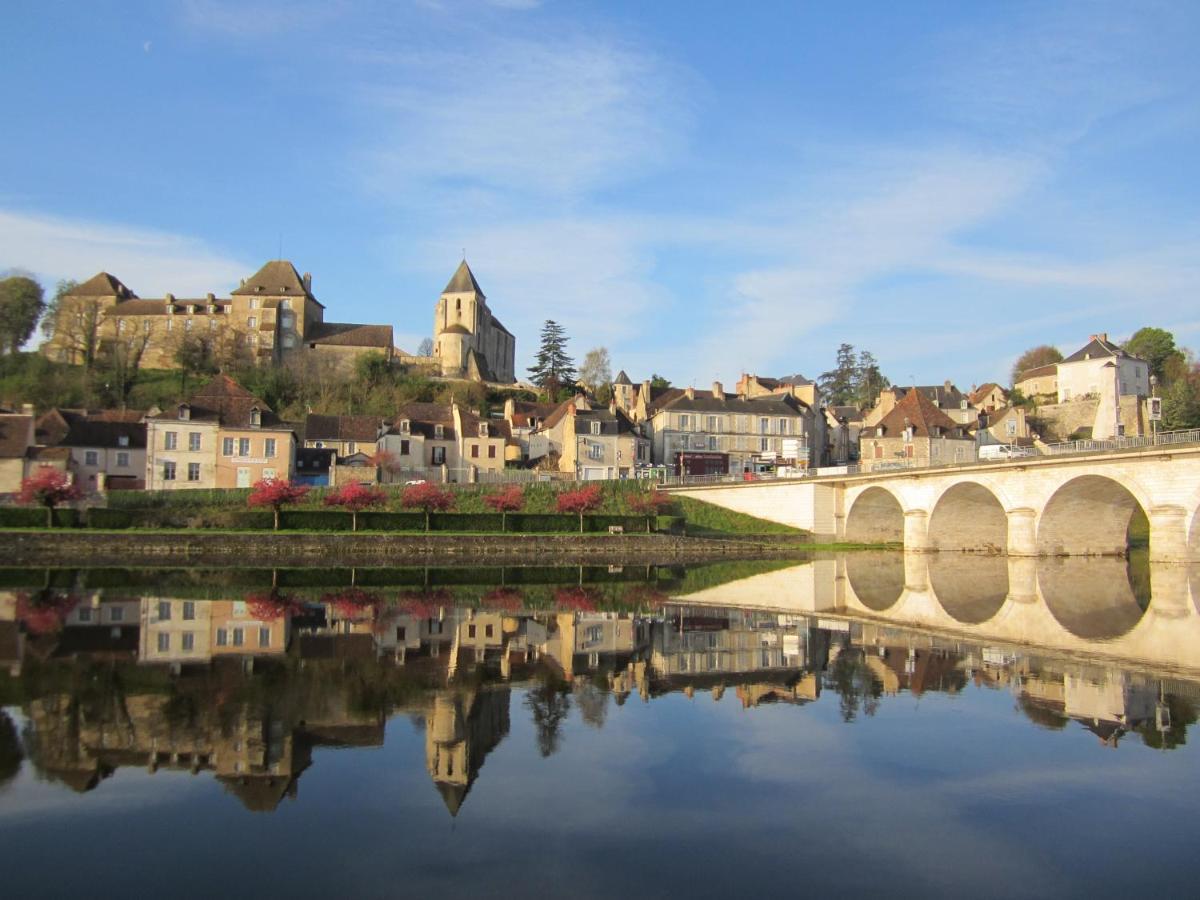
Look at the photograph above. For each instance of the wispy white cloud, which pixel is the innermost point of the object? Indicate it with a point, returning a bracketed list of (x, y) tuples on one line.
[(149, 262)]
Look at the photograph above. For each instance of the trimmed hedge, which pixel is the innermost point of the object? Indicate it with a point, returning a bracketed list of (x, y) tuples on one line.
[(603, 523), (191, 498), (449, 521), (315, 519), (670, 524), (99, 517), (391, 521), (35, 517), (542, 522)]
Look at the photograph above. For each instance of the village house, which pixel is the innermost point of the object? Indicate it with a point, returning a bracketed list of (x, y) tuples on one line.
[(915, 433), (1087, 372), (222, 436), (16, 442), (345, 435), (988, 397), (1006, 425), (945, 397), (1040, 383), (272, 316), (524, 418), (590, 443), (106, 448), (843, 425), (485, 445), (421, 436), (816, 423)]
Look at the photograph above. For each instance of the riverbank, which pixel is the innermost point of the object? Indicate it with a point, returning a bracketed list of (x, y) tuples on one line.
[(96, 547)]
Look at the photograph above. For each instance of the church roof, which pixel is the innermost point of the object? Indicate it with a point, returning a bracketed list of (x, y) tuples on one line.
[(454, 329), (463, 282), (278, 278), (347, 334), (102, 285), (622, 378)]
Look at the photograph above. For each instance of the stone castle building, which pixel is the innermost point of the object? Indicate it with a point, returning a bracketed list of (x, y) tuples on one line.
[(469, 342), (273, 315)]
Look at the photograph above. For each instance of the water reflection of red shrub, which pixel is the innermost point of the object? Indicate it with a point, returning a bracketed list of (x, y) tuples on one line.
[(425, 604), (46, 611), (644, 596), (273, 605), (505, 598), (577, 598), (353, 603)]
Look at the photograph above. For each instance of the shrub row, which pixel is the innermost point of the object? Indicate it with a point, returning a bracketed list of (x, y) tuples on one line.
[(35, 517)]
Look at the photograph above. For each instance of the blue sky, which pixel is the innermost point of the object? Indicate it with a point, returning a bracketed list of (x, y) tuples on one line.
[(703, 187)]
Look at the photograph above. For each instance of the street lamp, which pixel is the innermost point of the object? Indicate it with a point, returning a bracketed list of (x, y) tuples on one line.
[(1155, 409)]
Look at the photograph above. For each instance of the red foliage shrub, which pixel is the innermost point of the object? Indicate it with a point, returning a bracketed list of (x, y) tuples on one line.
[(48, 487), (581, 500), (506, 599), (577, 598), (46, 611), (276, 493), (650, 503), (511, 499), (272, 605)]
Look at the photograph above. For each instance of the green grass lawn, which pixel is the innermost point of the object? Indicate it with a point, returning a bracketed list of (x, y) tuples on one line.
[(706, 519)]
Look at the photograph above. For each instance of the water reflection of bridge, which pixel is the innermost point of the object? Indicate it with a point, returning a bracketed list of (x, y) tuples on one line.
[(1106, 607)]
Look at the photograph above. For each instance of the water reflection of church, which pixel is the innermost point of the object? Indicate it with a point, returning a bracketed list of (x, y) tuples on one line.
[(247, 689)]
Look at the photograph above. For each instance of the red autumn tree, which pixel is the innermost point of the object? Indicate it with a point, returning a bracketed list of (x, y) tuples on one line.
[(427, 496), (48, 487), (387, 461), (511, 499), (504, 598), (650, 503), (582, 500), (356, 497), (276, 493)]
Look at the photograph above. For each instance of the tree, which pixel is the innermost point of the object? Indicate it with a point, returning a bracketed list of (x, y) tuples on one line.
[(73, 323), (1033, 358), (658, 383), (549, 705), (425, 348), (650, 503), (355, 497), (839, 385), (48, 487), (582, 500), (192, 354), (1157, 347), (276, 493), (596, 370), (119, 362), (1181, 403), (427, 496), (869, 380), (388, 463), (22, 302), (552, 361), (511, 499)]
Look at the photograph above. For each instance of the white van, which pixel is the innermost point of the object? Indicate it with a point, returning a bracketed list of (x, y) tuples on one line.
[(1003, 451)]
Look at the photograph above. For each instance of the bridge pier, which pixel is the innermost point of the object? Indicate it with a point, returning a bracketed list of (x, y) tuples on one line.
[(1022, 532), (1022, 579), (1168, 534), (916, 531)]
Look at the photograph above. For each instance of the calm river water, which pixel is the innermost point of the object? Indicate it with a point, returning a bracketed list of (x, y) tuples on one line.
[(851, 725)]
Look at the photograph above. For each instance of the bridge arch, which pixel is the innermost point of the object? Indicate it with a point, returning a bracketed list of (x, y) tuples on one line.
[(970, 589), (968, 517), (875, 517), (1087, 516), (877, 578)]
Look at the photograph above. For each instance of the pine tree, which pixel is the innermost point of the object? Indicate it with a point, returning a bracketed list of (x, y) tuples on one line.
[(839, 384), (552, 365)]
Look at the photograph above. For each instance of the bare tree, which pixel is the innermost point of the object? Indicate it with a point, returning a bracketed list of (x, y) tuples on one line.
[(425, 348)]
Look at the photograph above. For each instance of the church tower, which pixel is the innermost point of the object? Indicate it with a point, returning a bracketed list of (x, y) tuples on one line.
[(469, 342)]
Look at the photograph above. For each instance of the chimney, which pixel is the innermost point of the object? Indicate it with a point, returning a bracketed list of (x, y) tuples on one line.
[(646, 387), (308, 281), (210, 297), (718, 391), (948, 386), (690, 392), (27, 409), (1102, 337), (510, 408), (242, 283), (170, 298)]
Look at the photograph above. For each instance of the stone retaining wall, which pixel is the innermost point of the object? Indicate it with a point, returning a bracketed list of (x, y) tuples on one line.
[(139, 548)]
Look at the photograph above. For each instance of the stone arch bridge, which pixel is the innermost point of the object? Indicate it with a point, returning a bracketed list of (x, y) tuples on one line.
[(1048, 506)]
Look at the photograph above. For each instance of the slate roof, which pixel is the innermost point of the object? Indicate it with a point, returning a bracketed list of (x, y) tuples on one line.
[(917, 410), (14, 435), (1099, 347), (422, 417), (623, 379), (940, 395), (1038, 372), (143, 307), (705, 402), (849, 413), (463, 282), (611, 423), (524, 412), (796, 380), (345, 334), (102, 285), (365, 429), (278, 278)]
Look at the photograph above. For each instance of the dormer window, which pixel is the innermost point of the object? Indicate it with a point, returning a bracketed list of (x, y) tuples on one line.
[(439, 431), (405, 426), (483, 429), (595, 427), (185, 412), (191, 309), (255, 417)]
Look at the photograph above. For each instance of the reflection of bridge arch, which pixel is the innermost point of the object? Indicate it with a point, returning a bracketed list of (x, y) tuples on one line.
[(1092, 599), (970, 589), (875, 517), (967, 516), (1088, 515), (877, 579)]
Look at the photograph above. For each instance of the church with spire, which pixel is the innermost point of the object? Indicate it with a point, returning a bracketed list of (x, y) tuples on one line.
[(469, 342)]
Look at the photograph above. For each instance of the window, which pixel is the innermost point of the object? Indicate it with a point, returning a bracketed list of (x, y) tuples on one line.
[(783, 426), (164, 642), (268, 474), (764, 445), (595, 427), (405, 426), (1011, 428), (289, 341), (470, 631), (243, 446), (187, 326), (122, 459), (227, 447), (439, 431), (712, 442), (491, 451), (189, 640), (404, 448), (714, 424), (438, 455), (595, 451), (116, 614), (164, 611), (189, 610), (264, 637), (146, 325), (222, 637), (255, 418), (764, 425), (683, 423), (254, 303), (401, 633), (170, 440), (252, 322), (168, 471), (120, 326), (269, 447), (239, 637), (351, 447), (285, 305), (194, 441), (193, 472), (91, 458), (475, 451), (85, 614), (123, 441), (489, 630)]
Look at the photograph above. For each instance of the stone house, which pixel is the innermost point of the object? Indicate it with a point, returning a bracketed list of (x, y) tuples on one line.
[(469, 342), (1087, 372), (484, 444), (945, 397), (915, 432), (107, 448), (345, 435), (843, 425), (753, 386), (1040, 383), (272, 316), (1006, 425), (220, 437), (524, 418), (421, 436), (591, 443), (16, 442), (988, 397)]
